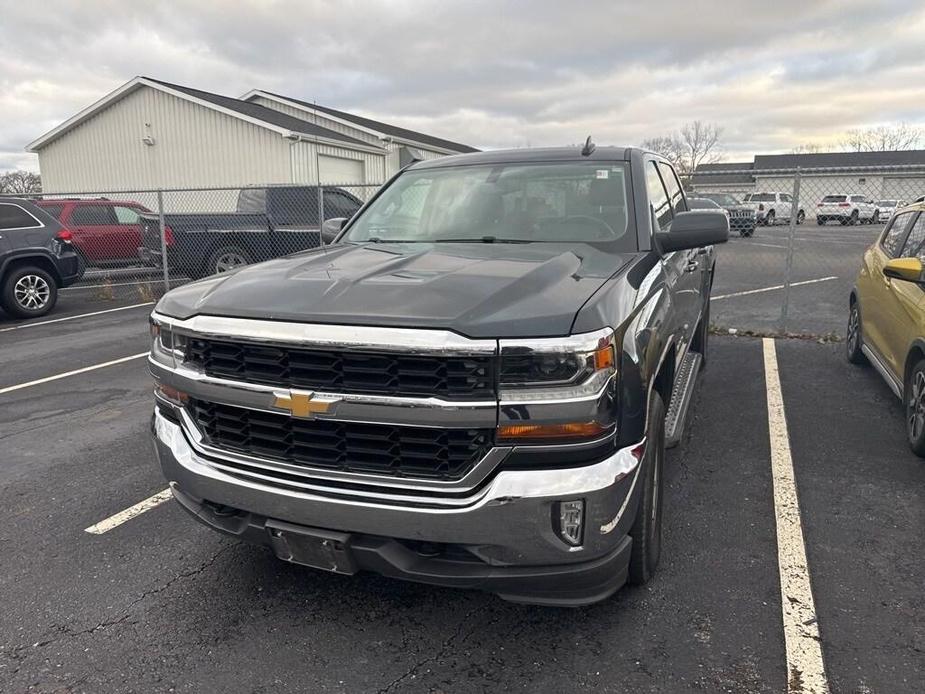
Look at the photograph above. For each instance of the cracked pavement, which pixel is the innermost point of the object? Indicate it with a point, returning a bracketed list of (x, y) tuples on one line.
[(162, 604)]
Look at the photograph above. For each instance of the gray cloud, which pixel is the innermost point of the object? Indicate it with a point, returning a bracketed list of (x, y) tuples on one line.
[(493, 74)]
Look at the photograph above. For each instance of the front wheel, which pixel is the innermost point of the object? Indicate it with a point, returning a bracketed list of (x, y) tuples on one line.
[(876, 218), (29, 292), (801, 216), (646, 532), (820, 220), (915, 408), (769, 219), (853, 219)]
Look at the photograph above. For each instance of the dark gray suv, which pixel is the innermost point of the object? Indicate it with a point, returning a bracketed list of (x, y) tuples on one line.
[(36, 259)]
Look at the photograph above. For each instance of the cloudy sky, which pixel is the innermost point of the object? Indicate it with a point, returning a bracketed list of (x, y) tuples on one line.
[(773, 73)]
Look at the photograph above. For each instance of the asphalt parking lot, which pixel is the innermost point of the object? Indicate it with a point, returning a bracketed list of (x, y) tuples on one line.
[(748, 289), (159, 603)]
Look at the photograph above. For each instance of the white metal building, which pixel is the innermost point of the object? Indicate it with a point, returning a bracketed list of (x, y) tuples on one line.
[(898, 175), (151, 134)]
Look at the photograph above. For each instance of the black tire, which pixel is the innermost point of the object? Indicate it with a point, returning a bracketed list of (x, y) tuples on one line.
[(28, 292), (821, 221), (801, 217), (914, 393), (225, 258), (853, 219), (646, 532), (876, 218), (769, 218), (81, 266), (854, 336)]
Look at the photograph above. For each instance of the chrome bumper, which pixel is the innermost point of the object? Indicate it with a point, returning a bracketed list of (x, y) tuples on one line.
[(509, 521)]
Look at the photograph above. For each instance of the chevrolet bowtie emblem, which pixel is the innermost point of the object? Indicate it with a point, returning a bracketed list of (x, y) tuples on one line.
[(303, 405)]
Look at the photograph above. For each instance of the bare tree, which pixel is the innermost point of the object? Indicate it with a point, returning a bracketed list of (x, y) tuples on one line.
[(20, 182), (808, 148), (883, 138), (694, 144)]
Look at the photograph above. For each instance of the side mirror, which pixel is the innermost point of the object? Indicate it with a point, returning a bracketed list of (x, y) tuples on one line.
[(906, 269), (694, 230), (330, 229)]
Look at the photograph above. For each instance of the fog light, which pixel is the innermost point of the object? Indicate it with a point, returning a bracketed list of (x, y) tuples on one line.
[(571, 521)]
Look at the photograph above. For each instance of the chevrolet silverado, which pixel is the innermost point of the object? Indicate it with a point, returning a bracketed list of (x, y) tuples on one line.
[(473, 386)]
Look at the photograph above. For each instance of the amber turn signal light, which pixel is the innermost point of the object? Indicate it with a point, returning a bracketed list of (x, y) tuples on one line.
[(570, 430)]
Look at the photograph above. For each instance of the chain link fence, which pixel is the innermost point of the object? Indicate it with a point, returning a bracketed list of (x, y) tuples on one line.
[(798, 238), (135, 245)]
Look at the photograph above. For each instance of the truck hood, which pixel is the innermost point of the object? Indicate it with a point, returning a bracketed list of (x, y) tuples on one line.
[(475, 289)]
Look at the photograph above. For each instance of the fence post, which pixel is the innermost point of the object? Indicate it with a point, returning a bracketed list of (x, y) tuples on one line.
[(320, 214), (160, 218), (788, 270)]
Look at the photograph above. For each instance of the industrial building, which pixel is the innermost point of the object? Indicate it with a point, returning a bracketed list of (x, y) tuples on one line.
[(150, 134), (898, 175)]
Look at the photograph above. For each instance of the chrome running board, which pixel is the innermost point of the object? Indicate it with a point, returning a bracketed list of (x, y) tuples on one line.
[(681, 396)]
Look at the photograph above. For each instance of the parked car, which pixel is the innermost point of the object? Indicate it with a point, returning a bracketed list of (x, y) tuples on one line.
[(741, 216), (888, 207), (269, 222), (474, 386), (847, 209), (886, 324), (771, 207), (106, 233), (36, 258)]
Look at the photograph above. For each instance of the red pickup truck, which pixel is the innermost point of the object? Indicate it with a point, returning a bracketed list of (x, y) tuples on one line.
[(106, 232)]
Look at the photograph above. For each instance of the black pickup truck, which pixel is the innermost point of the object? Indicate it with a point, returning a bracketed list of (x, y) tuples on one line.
[(473, 386), (269, 222)]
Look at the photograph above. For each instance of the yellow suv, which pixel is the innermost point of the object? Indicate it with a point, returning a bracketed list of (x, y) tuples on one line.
[(886, 326)]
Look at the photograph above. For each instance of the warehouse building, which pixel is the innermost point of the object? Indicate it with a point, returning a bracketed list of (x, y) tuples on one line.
[(150, 134), (896, 175)]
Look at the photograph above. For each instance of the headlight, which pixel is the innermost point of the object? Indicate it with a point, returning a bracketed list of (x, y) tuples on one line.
[(558, 368), (557, 390), (167, 346)]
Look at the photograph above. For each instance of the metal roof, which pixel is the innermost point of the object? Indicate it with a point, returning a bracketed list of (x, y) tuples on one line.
[(268, 115), (377, 126), (840, 160)]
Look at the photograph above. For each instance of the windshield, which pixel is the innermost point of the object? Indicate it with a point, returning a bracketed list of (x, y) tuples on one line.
[(701, 204), (835, 198), (252, 200), (761, 197), (723, 199), (887, 203), (579, 202)]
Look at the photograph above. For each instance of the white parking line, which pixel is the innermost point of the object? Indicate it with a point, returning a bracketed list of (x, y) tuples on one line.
[(81, 315), (118, 519), (805, 666), (48, 379), (771, 289), (156, 280)]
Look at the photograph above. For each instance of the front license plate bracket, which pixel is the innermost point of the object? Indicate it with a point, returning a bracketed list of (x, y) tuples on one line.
[(327, 550)]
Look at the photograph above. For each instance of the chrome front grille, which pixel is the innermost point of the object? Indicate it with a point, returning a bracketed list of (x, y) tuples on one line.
[(449, 377), (396, 451)]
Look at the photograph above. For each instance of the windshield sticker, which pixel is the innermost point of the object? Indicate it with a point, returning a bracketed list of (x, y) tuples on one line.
[(603, 173)]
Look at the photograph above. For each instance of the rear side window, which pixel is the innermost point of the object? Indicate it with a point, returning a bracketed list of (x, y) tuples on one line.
[(857, 198), (252, 200), (894, 234), (93, 215), (54, 210), (912, 248), (673, 188), (834, 198), (658, 196), (762, 197), (14, 217), (126, 215)]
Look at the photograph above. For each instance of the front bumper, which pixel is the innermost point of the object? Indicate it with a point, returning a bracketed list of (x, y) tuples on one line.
[(506, 534), (149, 256)]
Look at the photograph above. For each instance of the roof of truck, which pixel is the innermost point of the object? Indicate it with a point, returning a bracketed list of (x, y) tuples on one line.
[(504, 156)]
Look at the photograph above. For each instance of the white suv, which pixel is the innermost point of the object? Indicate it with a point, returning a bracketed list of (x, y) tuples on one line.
[(771, 207), (847, 209)]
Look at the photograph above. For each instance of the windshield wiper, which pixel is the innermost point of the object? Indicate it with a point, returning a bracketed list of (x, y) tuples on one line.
[(481, 239)]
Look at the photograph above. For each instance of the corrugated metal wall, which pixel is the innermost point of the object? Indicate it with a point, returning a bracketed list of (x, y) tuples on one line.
[(304, 162), (194, 146)]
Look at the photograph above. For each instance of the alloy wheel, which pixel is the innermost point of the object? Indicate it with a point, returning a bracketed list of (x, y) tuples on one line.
[(31, 292), (854, 321), (915, 411), (229, 261)]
